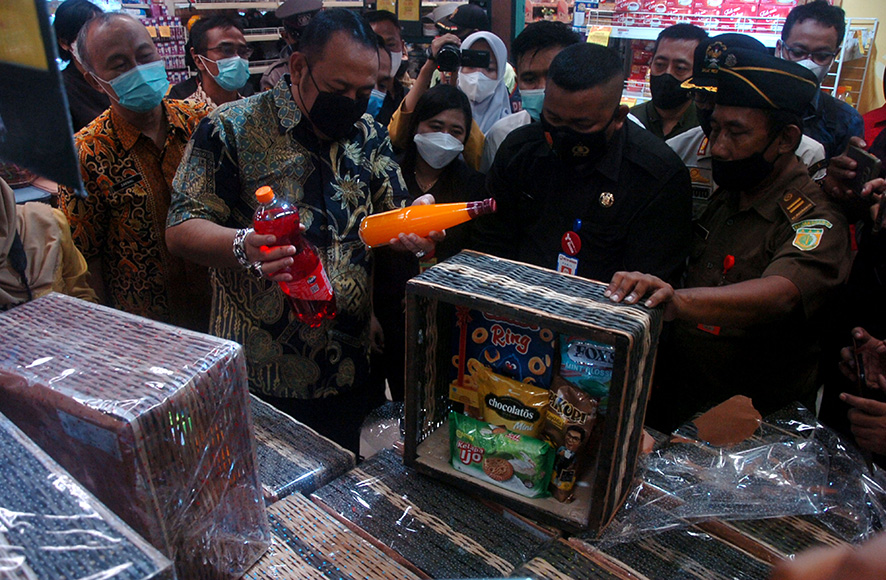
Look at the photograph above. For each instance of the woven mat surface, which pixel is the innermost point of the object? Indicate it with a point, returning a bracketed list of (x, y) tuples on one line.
[(291, 456), (308, 543), (560, 561), (53, 529), (791, 535), (684, 554), (442, 531)]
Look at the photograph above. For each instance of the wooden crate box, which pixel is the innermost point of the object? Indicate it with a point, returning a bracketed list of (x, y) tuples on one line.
[(152, 419), (565, 304), (53, 528)]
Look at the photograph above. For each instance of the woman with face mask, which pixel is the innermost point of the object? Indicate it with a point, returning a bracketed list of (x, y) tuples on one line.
[(485, 87), (431, 163)]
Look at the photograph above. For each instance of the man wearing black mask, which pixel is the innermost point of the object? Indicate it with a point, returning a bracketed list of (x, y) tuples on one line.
[(670, 112), (694, 146), (309, 140), (768, 252), (583, 191)]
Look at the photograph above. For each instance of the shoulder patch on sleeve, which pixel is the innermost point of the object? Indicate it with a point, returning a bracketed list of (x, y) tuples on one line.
[(809, 233), (795, 205)]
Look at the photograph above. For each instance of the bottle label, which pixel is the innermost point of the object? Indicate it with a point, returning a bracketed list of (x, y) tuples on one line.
[(314, 286)]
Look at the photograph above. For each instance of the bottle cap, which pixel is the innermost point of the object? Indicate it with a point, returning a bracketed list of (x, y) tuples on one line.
[(264, 194)]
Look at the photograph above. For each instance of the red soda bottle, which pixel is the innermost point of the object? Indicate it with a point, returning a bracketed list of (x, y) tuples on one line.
[(309, 292)]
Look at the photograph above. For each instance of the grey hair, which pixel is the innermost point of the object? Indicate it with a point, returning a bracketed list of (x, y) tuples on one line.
[(79, 48)]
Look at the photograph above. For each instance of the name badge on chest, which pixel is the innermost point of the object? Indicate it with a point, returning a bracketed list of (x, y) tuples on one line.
[(570, 244)]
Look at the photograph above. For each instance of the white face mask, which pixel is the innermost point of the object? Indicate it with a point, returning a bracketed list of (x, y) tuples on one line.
[(477, 86), (819, 70), (438, 149), (396, 59)]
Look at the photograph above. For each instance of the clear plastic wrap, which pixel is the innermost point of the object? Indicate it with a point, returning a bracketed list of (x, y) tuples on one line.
[(442, 531), (383, 429), (50, 527), (791, 466), (152, 419)]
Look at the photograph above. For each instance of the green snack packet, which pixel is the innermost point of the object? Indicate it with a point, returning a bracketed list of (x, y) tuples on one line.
[(519, 463)]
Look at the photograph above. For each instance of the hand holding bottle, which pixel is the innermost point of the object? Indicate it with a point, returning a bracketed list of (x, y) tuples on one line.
[(416, 244), (273, 257)]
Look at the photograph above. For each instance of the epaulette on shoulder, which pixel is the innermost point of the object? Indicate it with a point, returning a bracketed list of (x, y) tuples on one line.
[(795, 205)]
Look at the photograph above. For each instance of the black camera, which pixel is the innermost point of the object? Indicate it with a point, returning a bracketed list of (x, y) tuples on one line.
[(450, 58)]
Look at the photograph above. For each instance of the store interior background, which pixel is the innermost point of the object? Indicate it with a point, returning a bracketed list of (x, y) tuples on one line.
[(507, 16)]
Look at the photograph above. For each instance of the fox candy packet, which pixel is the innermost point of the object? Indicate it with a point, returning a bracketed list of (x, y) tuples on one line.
[(519, 463)]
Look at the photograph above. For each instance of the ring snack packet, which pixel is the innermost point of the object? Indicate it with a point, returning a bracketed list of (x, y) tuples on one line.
[(519, 407), (588, 365), (515, 462), (569, 426)]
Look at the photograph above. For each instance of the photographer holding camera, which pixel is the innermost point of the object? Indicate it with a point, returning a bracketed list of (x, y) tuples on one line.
[(398, 127)]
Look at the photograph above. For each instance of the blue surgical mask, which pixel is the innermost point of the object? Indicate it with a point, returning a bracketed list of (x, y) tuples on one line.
[(376, 100), (140, 89), (533, 99), (232, 72)]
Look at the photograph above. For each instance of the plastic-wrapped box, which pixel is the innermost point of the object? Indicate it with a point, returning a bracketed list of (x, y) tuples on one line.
[(52, 528), (292, 457), (443, 532), (567, 305), (307, 542), (152, 419)]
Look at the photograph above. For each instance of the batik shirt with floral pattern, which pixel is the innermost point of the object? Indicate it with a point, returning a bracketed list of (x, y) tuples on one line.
[(122, 220), (267, 140)]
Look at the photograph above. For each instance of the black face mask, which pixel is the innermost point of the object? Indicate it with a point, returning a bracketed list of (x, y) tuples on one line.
[(704, 119), (576, 148), (743, 174), (666, 91), (335, 115)]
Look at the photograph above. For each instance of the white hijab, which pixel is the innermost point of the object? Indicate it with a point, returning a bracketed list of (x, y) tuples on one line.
[(498, 105)]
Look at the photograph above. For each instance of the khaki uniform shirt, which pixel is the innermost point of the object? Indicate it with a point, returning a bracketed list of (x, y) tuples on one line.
[(791, 230)]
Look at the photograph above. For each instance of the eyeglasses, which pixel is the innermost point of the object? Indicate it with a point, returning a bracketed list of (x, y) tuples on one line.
[(819, 57), (229, 49)]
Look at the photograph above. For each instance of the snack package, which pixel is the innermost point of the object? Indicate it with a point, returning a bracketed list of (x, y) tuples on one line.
[(519, 463), (569, 425), (522, 352), (587, 365), (519, 407)]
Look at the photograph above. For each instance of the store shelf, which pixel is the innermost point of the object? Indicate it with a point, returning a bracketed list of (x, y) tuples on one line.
[(261, 37), (246, 5), (646, 33)]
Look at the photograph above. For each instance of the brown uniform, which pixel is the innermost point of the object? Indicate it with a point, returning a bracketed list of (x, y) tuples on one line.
[(790, 230)]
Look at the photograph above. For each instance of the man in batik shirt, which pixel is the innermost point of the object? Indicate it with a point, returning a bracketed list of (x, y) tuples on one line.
[(128, 157), (307, 139)]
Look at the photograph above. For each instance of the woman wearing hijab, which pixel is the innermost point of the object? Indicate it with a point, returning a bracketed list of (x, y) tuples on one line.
[(399, 127), (485, 87), (37, 254)]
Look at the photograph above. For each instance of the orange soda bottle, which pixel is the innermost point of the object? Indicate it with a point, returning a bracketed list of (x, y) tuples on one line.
[(379, 229), (309, 292)]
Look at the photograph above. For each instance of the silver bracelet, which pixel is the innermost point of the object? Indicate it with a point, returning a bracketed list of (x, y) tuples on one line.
[(240, 248)]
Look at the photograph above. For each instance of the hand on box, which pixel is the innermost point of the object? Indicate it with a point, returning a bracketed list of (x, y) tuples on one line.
[(630, 287)]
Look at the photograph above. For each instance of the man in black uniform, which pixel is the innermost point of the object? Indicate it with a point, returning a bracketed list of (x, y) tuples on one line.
[(768, 251), (585, 192)]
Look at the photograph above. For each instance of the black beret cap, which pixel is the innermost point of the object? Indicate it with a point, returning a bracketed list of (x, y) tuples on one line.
[(708, 56), (758, 81)]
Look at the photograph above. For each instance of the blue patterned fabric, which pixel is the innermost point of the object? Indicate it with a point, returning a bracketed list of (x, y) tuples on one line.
[(266, 140)]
